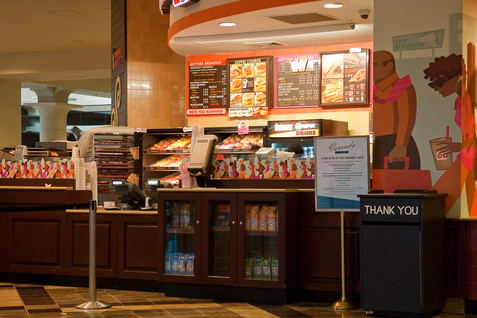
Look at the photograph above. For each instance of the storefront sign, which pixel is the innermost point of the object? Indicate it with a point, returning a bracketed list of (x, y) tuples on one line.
[(207, 88), (249, 86), (297, 80), (117, 58), (344, 78), (418, 41), (341, 172), (178, 3), (293, 128)]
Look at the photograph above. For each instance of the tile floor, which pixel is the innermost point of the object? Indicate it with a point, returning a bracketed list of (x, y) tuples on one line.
[(23, 301)]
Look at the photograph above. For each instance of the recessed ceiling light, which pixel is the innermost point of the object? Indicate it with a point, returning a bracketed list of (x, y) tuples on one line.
[(333, 5), (227, 24)]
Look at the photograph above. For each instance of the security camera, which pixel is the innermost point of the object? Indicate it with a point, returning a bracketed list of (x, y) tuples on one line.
[(364, 13)]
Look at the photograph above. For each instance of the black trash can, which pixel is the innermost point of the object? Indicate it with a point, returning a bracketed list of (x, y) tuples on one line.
[(402, 254)]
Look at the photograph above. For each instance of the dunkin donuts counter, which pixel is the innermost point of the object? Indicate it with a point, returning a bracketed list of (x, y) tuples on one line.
[(235, 158)]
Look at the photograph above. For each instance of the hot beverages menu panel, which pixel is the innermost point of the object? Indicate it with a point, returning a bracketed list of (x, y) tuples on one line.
[(297, 80)]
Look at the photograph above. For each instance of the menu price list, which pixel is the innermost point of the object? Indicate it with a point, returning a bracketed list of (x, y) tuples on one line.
[(248, 86), (207, 88), (297, 80), (344, 78)]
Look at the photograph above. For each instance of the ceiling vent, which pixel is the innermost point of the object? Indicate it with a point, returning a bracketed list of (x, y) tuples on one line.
[(304, 18), (265, 44)]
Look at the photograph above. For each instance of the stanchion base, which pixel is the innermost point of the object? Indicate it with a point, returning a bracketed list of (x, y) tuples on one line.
[(343, 304), (91, 305)]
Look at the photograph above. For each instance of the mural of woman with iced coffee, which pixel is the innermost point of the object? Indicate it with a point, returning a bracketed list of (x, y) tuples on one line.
[(447, 76)]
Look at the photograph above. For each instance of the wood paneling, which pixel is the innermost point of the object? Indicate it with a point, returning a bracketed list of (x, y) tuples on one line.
[(455, 257), (36, 242), (138, 247), (471, 273), (3, 246), (320, 248), (78, 245)]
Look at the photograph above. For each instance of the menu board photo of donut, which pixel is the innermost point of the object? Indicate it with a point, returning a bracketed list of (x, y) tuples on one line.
[(345, 78), (249, 81)]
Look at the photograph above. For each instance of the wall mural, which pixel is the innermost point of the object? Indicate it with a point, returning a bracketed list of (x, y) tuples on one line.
[(395, 105), (394, 108), (447, 76)]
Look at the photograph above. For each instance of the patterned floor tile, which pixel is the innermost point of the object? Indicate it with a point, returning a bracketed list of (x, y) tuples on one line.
[(35, 301)]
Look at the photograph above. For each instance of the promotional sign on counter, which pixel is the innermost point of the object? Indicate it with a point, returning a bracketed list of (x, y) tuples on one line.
[(207, 88), (249, 86), (297, 80), (344, 78), (341, 172)]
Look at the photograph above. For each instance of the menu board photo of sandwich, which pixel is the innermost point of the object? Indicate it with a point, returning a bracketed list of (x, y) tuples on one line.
[(249, 82), (344, 78)]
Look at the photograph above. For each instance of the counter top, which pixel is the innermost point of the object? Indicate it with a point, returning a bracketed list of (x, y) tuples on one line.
[(34, 188), (225, 190), (101, 210)]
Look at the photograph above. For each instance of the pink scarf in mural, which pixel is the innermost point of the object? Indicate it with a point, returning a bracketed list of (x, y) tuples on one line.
[(399, 87)]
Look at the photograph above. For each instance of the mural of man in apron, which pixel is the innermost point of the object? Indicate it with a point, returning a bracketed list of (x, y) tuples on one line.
[(394, 114)]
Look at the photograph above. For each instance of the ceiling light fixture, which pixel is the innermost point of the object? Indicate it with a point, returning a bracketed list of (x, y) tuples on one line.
[(227, 24), (333, 5)]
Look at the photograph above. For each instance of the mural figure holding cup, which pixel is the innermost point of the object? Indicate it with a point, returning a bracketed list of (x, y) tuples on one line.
[(447, 76)]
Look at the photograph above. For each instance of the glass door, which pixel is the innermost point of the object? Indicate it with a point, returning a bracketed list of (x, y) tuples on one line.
[(262, 242), (220, 245), (179, 239)]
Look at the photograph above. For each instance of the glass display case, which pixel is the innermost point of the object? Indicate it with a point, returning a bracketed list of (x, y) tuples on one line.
[(261, 240), (161, 152), (235, 237), (179, 237)]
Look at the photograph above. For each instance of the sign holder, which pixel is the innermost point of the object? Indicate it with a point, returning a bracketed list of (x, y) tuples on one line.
[(341, 173), (92, 304), (343, 303)]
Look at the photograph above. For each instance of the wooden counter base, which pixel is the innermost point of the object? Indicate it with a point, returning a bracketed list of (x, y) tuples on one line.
[(54, 241)]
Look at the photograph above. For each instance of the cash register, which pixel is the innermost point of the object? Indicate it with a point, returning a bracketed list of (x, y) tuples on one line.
[(129, 196)]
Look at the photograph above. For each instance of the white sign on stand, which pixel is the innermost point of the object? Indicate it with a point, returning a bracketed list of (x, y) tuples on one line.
[(341, 172)]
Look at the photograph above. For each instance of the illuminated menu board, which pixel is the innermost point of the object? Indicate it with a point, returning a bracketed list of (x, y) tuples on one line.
[(208, 88), (249, 81), (297, 80), (344, 78)]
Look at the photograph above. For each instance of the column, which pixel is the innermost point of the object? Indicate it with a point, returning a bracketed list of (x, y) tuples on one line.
[(53, 108), (10, 121)]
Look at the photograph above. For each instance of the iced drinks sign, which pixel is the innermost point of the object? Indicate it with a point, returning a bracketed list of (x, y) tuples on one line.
[(293, 128)]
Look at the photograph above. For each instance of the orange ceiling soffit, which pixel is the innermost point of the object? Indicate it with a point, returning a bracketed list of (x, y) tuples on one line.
[(222, 11)]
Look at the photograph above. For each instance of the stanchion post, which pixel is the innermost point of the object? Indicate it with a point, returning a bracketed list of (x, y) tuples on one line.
[(343, 303), (92, 303)]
